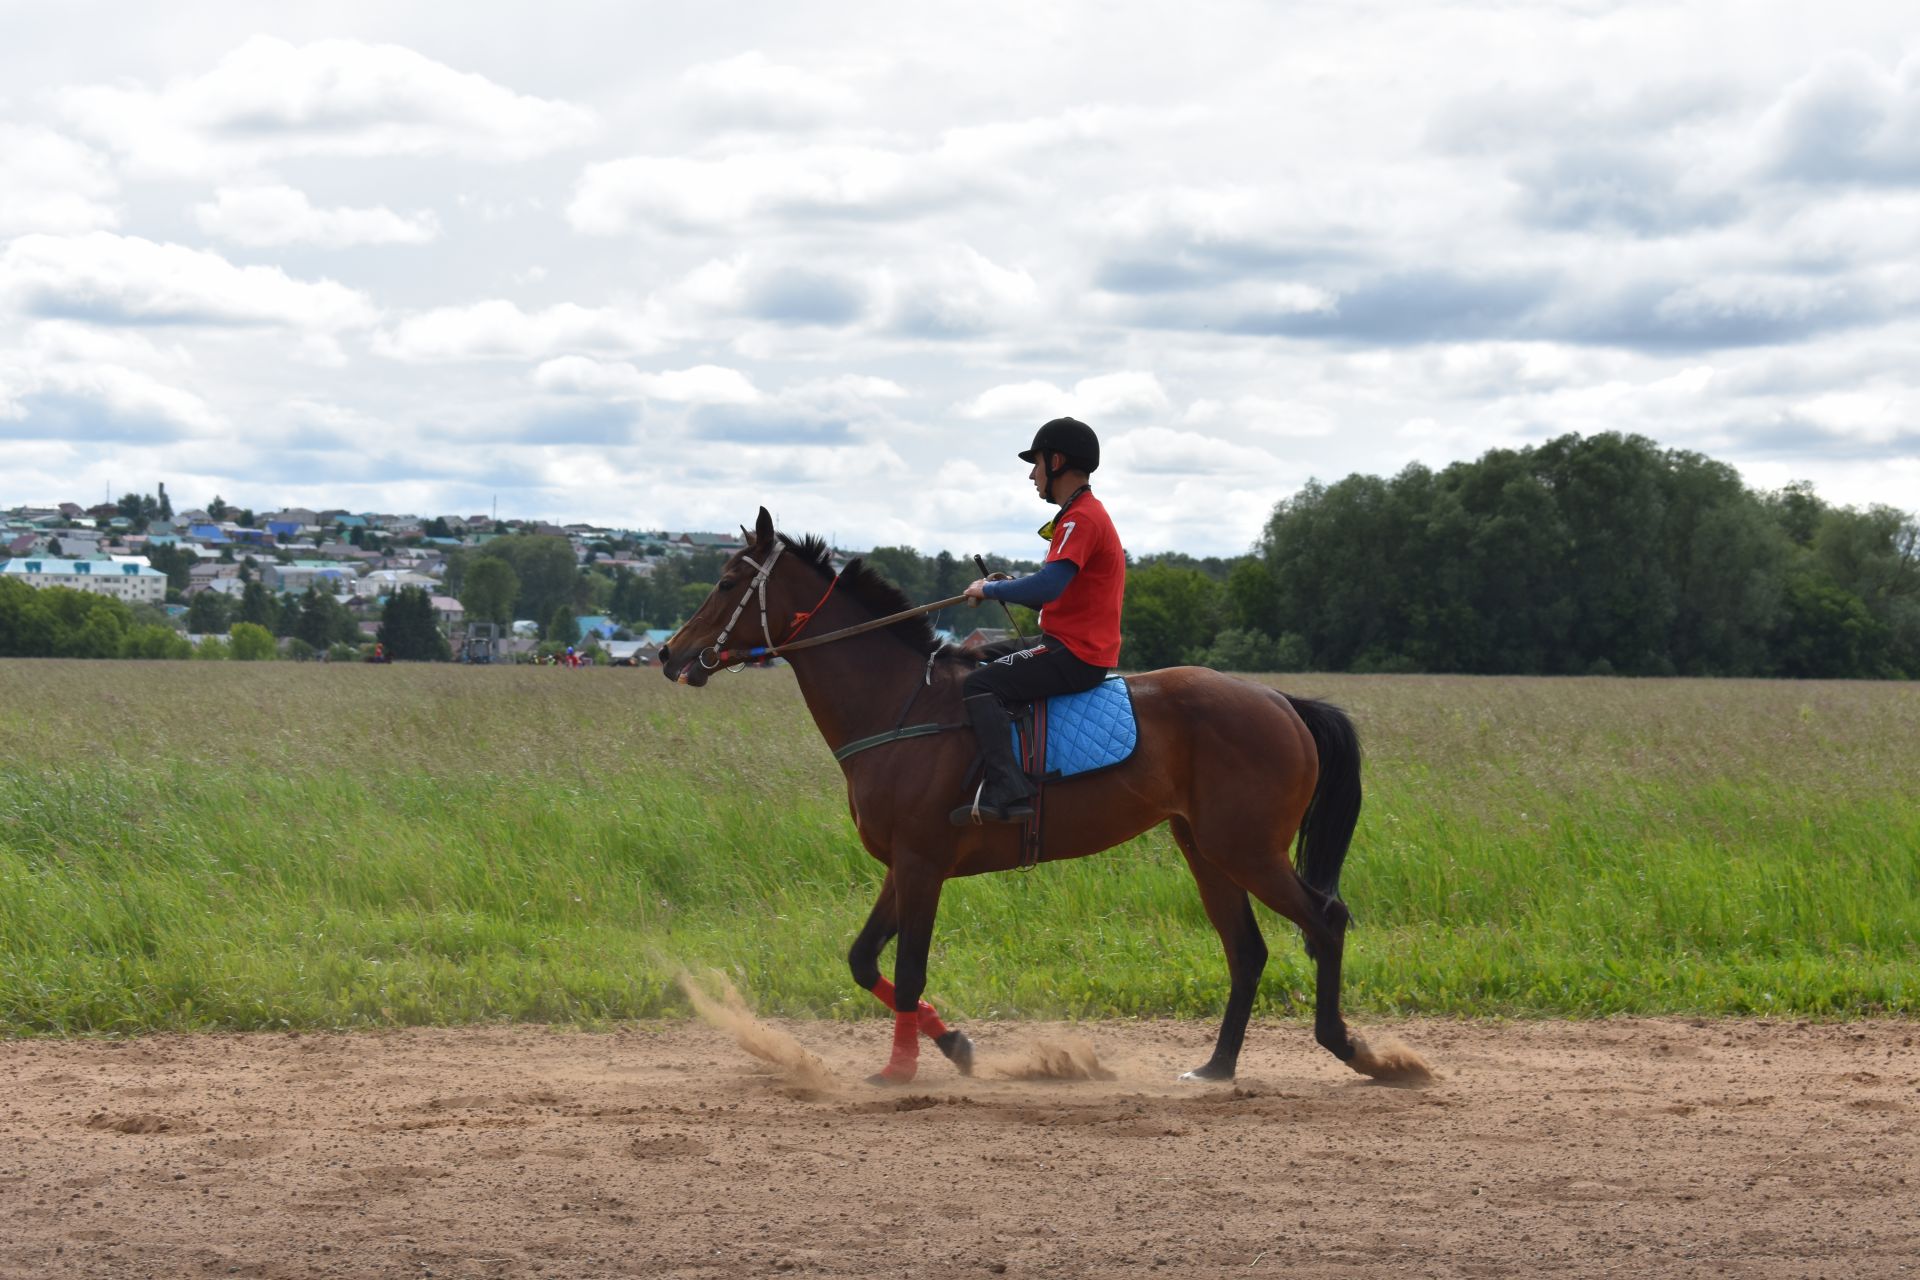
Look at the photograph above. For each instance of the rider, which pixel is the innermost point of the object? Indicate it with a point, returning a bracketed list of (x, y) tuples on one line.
[(1081, 586)]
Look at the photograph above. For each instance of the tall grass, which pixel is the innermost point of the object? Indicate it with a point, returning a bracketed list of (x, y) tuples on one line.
[(185, 845)]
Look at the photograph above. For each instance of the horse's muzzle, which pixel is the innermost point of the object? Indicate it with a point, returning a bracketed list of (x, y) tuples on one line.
[(688, 670)]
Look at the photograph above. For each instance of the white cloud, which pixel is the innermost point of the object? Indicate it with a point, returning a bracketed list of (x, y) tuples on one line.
[(851, 386), (1258, 415), (751, 90), (702, 384), (1161, 451), (957, 293), (1018, 401), (499, 330), (275, 215), (1128, 394), (58, 341), (113, 279), (830, 179), (1848, 119), (679, 192), (49, 182), (269, 99), (89, 383), (128, 393)]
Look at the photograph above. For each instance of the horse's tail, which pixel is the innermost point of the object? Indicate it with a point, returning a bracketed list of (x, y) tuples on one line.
[(1334, 811)]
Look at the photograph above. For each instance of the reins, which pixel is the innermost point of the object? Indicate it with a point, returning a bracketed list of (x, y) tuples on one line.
[(725, 657)]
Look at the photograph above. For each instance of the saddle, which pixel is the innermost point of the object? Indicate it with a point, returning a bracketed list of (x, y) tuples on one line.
[(1070, 735)]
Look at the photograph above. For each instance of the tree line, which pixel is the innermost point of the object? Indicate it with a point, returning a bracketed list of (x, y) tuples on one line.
[(1581, 556), (1604, 554)]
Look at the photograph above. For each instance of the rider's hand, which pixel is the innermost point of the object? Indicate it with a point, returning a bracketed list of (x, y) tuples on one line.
[(976, 590)]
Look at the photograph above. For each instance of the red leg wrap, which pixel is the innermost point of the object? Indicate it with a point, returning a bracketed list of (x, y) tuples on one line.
[(930, 1025), (905, 1059)]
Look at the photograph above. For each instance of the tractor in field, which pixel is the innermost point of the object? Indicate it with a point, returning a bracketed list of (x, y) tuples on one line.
[(481, 643)]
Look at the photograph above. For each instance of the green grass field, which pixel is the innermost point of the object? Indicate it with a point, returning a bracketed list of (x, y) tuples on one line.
[(190, 845)]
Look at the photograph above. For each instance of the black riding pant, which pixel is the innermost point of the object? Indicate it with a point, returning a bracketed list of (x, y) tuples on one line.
[(1024, 671)]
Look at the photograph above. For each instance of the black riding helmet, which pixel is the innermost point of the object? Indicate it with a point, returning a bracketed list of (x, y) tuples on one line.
[(1068, 436)]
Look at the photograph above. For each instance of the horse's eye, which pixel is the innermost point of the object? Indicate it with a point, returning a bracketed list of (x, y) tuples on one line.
[(728, 584)]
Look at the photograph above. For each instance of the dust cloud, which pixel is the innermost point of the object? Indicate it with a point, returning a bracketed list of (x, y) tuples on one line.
[(1069, 1058), (724, 1009)]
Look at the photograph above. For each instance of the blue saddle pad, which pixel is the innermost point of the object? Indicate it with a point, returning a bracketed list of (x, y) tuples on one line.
[(1088, 731)]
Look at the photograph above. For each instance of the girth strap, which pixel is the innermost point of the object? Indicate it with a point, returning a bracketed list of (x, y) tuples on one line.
[(892, 735)]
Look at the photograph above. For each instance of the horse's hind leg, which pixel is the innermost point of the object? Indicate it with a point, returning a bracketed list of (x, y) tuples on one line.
[(1232, 916), (1259, 865)]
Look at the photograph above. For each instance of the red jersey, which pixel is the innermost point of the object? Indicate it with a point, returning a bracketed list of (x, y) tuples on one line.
[(1086, 616)]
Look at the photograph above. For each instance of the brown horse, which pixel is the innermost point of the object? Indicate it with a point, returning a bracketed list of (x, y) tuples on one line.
[(1234, 768)]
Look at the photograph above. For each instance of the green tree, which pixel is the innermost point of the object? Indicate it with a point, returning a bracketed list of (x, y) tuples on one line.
[(258, 606), (321, 620), (1240, 649), (1169, 616), (689, 599), (150, 641), (251, 642), (563, 628), (632, 601), (140, 510), (176, 562), (27, 626), (544, 566), (209, 614), (1252, 601), (489, 590), (408, 628)]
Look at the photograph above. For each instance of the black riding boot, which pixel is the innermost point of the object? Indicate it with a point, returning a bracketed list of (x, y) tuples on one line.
[(1004, 792)]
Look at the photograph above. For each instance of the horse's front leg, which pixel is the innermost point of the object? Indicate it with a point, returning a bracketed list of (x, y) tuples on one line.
[(915, 901), (863, 958)]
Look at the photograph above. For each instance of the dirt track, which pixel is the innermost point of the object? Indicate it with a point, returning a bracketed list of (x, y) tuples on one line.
[(1629, 1148)]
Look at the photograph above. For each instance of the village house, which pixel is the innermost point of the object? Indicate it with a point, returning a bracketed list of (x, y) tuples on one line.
[(301, 574), (386, 582), (74, 544), (134, 583)]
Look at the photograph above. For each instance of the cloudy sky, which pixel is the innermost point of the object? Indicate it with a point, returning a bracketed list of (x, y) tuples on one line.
[(658, 264)]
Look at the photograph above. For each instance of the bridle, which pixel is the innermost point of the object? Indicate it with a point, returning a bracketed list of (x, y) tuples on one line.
[(722, 656), (717, 655)]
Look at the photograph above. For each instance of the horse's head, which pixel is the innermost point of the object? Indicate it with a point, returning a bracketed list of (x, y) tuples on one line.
[(756, 593)]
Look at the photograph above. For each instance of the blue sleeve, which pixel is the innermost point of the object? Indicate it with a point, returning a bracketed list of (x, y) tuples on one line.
[(1035, 589)]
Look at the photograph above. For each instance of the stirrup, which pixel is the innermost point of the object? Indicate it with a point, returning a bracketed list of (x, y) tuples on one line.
[(980, 813)]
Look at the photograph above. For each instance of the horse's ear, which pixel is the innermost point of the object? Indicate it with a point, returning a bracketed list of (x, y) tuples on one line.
[(763, 529), (746, 539)]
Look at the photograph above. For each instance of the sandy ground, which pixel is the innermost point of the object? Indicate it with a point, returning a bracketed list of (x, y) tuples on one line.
[(1651, 1147)]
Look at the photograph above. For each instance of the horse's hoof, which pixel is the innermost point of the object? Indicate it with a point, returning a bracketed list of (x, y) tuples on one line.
[(1205, 1075), (886, 1081), (958, 1048)]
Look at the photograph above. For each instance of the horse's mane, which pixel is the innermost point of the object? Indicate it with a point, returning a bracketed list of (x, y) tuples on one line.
[(870, 587)]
